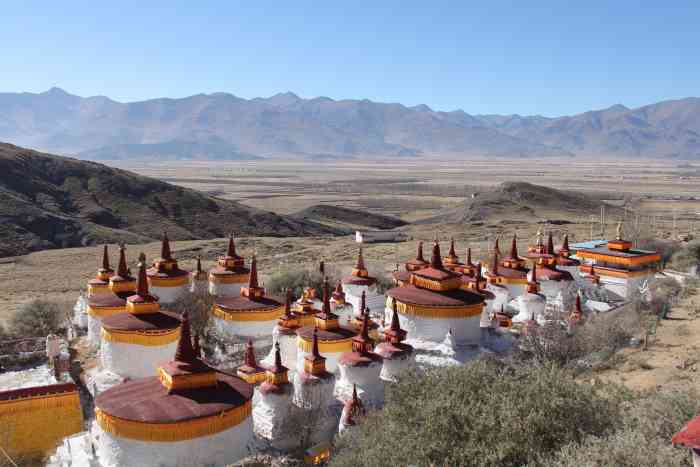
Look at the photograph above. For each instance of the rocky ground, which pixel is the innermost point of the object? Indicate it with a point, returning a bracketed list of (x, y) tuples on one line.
[(671, 359)]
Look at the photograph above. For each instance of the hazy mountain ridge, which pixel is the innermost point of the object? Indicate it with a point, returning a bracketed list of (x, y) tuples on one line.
[(664, 129), (229, 127)]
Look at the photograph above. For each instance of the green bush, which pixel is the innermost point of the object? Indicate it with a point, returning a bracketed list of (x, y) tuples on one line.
[(628, 448), (483, 414), (37, 318), (649, 420)]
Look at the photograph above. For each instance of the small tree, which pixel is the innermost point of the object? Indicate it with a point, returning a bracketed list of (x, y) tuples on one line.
[(38, 318), (198, 306)]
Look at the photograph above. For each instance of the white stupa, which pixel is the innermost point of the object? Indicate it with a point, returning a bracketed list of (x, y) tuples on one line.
[(230, 275), (396, 355), (531, 304), (314, 392), (362, 368), (166, 280), (137, 341), (272, 409), (189, 414)]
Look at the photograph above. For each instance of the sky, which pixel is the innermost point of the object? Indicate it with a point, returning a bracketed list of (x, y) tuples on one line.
[(548, 58)]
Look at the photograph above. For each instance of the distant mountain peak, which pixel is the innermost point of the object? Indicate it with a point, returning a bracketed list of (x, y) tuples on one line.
[(55, 91), (421, 108)]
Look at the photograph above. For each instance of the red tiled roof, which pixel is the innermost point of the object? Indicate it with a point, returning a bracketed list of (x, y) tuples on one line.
[(96, 281), (153, 272), (689, 436), (435, 274), (359, 358), (147, 400), (221, 271), (327, 335), (109, 300), (553, 274), (35, 391), (246, 304), (388, 350), (402, 276), (564, 261), (511, 273), (414, 295), (159, 321), (354, 280)]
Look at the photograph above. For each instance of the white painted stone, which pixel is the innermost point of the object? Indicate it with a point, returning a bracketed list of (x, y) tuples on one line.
[(236, 330), (485, 318), (466, 331), (80, 314), (317, 396), (94, 326), (344, 311), (392, 368), (270, 418), (529, 306), (353, 294), (288, 350), (135, 361), (167, 295), (516, 290), (218, 450), (367, 379), (312, 392), (225, 290)]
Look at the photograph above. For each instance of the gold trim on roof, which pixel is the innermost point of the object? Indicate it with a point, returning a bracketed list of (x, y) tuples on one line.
[(171, 432)]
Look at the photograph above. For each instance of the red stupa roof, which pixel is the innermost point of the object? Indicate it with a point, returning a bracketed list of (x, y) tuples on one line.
[(689, 436)]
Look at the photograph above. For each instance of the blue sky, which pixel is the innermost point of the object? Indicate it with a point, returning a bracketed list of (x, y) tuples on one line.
[(545, 58)]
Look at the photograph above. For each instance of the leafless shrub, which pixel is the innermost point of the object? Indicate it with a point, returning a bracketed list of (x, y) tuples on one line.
[(587, 345), (38, 318), (297, 278), (687, 257), (198, 305)]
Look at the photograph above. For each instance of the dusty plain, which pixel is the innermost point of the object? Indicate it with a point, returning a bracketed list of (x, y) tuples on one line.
[(408, 188)]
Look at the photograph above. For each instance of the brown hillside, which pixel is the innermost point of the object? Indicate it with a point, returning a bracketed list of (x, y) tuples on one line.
[(49, 201), (524, 202), (347, 218)]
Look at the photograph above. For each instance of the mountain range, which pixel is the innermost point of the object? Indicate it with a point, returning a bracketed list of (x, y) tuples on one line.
[(223, 126)]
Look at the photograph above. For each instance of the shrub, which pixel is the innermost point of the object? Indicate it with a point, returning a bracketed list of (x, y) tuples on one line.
[(483, 414), (298, 278), (599, 336), (37, 318), (628, 448), (384, 283), (198, 305), (648, 423), (687, 257), (665, 248)]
